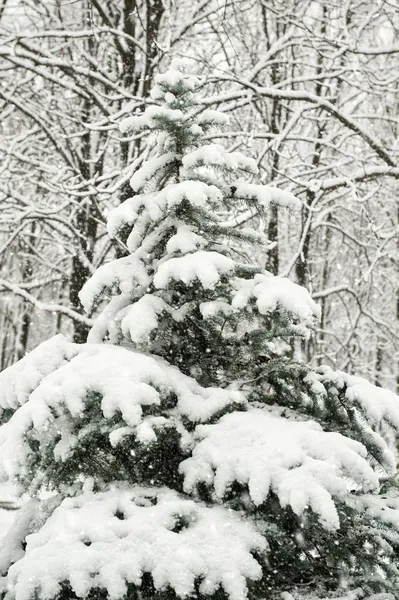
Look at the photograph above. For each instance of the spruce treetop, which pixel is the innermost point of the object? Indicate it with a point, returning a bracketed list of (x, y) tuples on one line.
[(184, 279)]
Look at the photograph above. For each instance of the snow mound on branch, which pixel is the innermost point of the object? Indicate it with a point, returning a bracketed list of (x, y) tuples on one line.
[(123, 214), (215, 155), (124, 381), (383, 508), (177, 76), (148, 170), (157, 204), (356, 594), (151, 119), (196, 193), (271, 293), (215, 307), (133, 124), (126, 274), (185, 240), (157, 113), (207, 267), (265, 195), (143, 317), (378, 404), (18, 381), (303, 465), (140, 319), (110, 539), (369, 409), (214, 118), (29, 518)]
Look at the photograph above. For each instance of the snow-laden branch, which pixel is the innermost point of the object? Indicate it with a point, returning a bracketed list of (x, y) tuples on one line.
[(69, 34), (48, 307), (361, 174), (346, 288), (303, 96), (334, 290)]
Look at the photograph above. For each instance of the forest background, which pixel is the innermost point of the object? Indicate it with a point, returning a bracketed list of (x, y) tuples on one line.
[(311, 89)]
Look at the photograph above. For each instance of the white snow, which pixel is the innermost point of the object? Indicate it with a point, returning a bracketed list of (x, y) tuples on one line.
[(20, 379), (303, 465), (176, 76), (185, 240), (158, 204), (384, 508), (142, 317), (124, 380), (123, 214), (271, 293), (107, 324), (266, 195), (109, 539), (150, 119), (213, 117), (143, 175), (124, 275), (215, 307), (196, 130), (206, 267), (366, 407), (134, 124), (158, 94), (378, 404), (171, 78), (29, 517), (155, 113), (215, 155), (196, 193)]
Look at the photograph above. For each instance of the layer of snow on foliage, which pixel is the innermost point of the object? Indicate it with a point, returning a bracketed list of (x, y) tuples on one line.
[(146, 173), (215, 307), (123, 214), (265, 195), (18, 380), (174, 76), (126, 274), (383, 508), (213, 117), (378, 404), (272, 292), (214, 155), (125, 381), (303, 465), (357, 594), (196, 193), (369, 408), (110, 539), (156, 113), (133, 124), (185, 241), (7, 518), (31, 516), (142, 317), (12, 548), (207, 267), (10, 503), (150, 119)]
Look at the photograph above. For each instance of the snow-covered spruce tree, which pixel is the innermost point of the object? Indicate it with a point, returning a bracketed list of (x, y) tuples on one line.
[(176, 454)]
